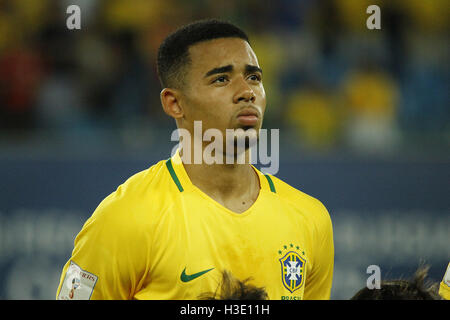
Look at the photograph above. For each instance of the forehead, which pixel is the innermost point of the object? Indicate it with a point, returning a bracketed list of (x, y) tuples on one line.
[(221, 52)]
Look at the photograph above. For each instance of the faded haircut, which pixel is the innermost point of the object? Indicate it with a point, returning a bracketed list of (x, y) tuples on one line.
[(173, 54)]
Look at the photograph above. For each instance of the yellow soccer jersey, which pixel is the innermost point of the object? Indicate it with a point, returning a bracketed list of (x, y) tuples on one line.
[(444, 287), (160, 237)]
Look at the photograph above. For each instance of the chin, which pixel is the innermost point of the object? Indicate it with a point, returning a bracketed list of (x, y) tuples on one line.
[(245, 138)]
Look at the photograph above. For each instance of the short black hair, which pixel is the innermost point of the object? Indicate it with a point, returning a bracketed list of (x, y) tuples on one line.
[(173, 53)]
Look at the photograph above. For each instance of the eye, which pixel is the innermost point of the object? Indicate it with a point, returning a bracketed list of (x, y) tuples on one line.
[(255, 77), (220, 79)]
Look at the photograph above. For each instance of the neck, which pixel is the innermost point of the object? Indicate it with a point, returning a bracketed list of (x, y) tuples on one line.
[(224, 182), (226, 179)]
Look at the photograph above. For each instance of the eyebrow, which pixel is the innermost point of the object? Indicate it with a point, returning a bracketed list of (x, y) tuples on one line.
[(229, 68), (223, 69), (252, 69)]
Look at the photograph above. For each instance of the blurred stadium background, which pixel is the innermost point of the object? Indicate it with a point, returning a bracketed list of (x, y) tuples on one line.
[(363, 115)]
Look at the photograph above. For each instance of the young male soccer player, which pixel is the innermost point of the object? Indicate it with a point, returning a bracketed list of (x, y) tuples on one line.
[(170, 231)]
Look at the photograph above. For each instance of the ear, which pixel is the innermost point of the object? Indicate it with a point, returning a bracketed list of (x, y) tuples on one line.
[(170, 100)]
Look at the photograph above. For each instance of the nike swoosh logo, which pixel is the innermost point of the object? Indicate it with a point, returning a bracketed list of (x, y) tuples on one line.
[(189, 277)]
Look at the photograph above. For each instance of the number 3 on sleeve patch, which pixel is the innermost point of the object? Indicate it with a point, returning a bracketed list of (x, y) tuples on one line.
[(78, 284)]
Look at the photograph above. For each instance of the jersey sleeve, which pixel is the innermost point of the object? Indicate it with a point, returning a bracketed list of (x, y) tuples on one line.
[(318, 283), (444, 287), (102, 265)]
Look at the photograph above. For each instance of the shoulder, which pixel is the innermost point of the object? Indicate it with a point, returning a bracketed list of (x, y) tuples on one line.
[(133, 201), (310, 206), (288, 193)]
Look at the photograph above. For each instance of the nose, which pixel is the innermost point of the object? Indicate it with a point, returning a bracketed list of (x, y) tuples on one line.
[(244, 93)]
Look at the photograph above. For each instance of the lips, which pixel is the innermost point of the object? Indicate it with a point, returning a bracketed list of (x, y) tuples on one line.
[(248, 117)]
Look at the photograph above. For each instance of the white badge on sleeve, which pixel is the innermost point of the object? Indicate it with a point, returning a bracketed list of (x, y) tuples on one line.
[(78, 284), (446, 279)]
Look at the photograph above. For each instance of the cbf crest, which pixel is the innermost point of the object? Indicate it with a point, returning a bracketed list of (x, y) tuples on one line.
[(293, 266)]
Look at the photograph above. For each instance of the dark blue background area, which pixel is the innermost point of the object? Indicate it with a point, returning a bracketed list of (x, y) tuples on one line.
[(357, 184)]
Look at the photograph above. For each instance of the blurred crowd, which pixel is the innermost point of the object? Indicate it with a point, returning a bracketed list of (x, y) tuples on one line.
[(331, 83)]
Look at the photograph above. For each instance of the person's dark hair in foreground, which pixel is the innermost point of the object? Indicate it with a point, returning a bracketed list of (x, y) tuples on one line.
[(231, 288), (415, 289)]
